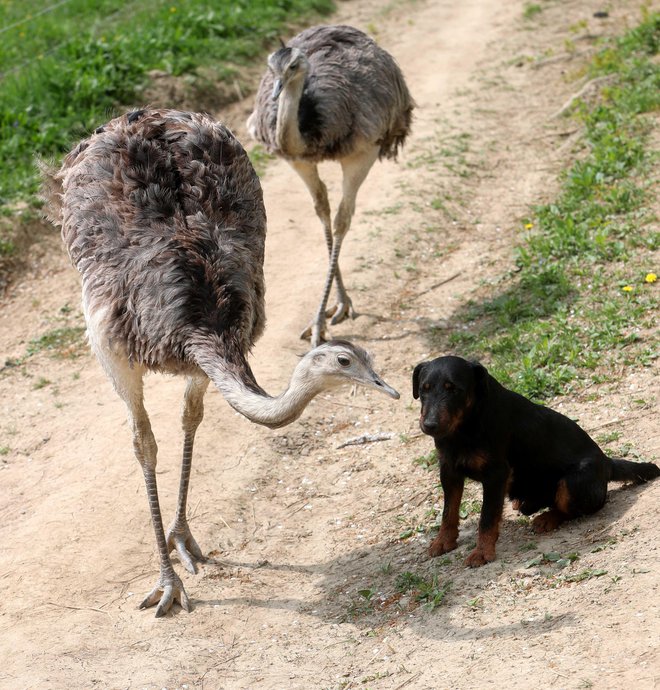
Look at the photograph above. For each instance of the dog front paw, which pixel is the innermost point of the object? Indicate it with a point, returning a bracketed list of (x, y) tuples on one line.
[(479, 557), (442, 544)]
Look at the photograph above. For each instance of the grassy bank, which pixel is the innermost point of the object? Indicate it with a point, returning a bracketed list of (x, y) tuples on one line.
[(65, 66), (583, 300)]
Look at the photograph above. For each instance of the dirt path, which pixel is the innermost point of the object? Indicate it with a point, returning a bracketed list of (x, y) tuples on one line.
[(304, 537)]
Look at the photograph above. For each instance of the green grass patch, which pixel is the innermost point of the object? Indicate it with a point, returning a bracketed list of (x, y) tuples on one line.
[(428, 590), (531, 10), (583, 297), (66, 342), (66, 67)]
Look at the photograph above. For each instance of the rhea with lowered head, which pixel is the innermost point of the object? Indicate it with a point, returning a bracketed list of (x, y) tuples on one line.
[(162, 214)]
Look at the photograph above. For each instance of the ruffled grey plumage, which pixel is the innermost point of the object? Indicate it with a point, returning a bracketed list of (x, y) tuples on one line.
[(162, 214), (353, 92), (332, 94)]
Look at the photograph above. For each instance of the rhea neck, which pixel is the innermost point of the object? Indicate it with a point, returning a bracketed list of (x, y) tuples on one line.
[(287, 132), (241, 391)]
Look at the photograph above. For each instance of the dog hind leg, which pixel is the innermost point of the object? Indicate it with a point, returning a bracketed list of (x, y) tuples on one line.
[(581, 492)]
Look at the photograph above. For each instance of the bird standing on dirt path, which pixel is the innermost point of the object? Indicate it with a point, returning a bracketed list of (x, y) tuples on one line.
[(332, 94), (162, 214)]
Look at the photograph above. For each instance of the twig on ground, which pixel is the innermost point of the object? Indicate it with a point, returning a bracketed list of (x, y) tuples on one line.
[(78, 608), (366, 438), (589, 86), (435, 286), (409, 681)]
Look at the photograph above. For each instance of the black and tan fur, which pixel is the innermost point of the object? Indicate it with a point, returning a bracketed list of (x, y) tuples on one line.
[(538, 457)]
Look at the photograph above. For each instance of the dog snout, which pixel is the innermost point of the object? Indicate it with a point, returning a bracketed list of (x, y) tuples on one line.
[(428, 424)]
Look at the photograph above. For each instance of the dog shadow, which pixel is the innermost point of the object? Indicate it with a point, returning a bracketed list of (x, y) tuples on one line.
[(368, 587)]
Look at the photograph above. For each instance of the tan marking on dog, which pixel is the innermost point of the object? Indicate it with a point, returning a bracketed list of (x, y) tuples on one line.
[(563, 498), (548, 521), (485, 549)]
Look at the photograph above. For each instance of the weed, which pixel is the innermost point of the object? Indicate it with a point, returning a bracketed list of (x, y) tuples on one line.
[(532, 546), (5, 450), (584, 575), (608, 437), (468, 508), (475, 604), (41, 383), (60, 342), (260, 158), (552, 557), (531, 10), (431, 592), (386, 568), (428, 461)]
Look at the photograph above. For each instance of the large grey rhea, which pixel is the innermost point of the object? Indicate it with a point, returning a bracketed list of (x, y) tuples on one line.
[(332, 94), (162, 214)]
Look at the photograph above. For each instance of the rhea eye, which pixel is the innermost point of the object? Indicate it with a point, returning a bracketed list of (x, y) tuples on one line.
[(293, 67), (343, 360)]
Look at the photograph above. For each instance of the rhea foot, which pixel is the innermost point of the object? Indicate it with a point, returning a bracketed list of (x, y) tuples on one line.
[(180, 538), (168, 589), (342, 310), (315, 332)]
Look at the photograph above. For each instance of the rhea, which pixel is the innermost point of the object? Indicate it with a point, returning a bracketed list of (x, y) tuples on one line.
[(162, 214), (332, 94)]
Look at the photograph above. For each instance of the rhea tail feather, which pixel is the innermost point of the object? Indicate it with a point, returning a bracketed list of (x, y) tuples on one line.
[(626, 470)]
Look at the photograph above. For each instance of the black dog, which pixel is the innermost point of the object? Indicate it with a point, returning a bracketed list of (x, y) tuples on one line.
[(511, 445)]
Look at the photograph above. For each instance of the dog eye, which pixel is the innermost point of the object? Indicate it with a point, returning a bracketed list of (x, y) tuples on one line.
[(449, 386), (426, 387)]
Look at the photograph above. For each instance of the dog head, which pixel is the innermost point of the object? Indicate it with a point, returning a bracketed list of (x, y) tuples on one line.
[(449, 388)]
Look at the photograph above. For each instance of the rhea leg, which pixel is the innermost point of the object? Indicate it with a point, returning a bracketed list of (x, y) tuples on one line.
[(127, 381), (310, 176), (355, 169), (179, 536)]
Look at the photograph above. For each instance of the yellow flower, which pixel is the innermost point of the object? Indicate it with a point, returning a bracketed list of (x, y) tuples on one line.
[(172, 9), (651, 277), (529, 226), (628, 288)]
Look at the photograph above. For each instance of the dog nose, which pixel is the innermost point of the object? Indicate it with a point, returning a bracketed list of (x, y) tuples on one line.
[(429, 426)]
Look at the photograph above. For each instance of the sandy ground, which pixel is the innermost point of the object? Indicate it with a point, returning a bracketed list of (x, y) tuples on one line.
[(304, 536)]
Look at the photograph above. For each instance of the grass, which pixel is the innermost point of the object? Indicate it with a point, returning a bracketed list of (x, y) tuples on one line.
[(428, 590), (66, 67), (582, 297), (64, 342), (531, 10), (403, 592)]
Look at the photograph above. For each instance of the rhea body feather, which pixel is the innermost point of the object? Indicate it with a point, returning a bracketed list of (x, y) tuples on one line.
[(162, 214), (353, 92)]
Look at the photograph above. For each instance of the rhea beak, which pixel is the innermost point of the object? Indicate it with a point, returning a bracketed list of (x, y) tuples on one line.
[(380, 385), (277, 89)]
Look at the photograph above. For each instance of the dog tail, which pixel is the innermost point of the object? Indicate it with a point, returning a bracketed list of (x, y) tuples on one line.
[(626, 470)]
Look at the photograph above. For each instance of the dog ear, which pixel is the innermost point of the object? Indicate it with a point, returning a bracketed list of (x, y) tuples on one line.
[(416, 373), (481, 375)]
